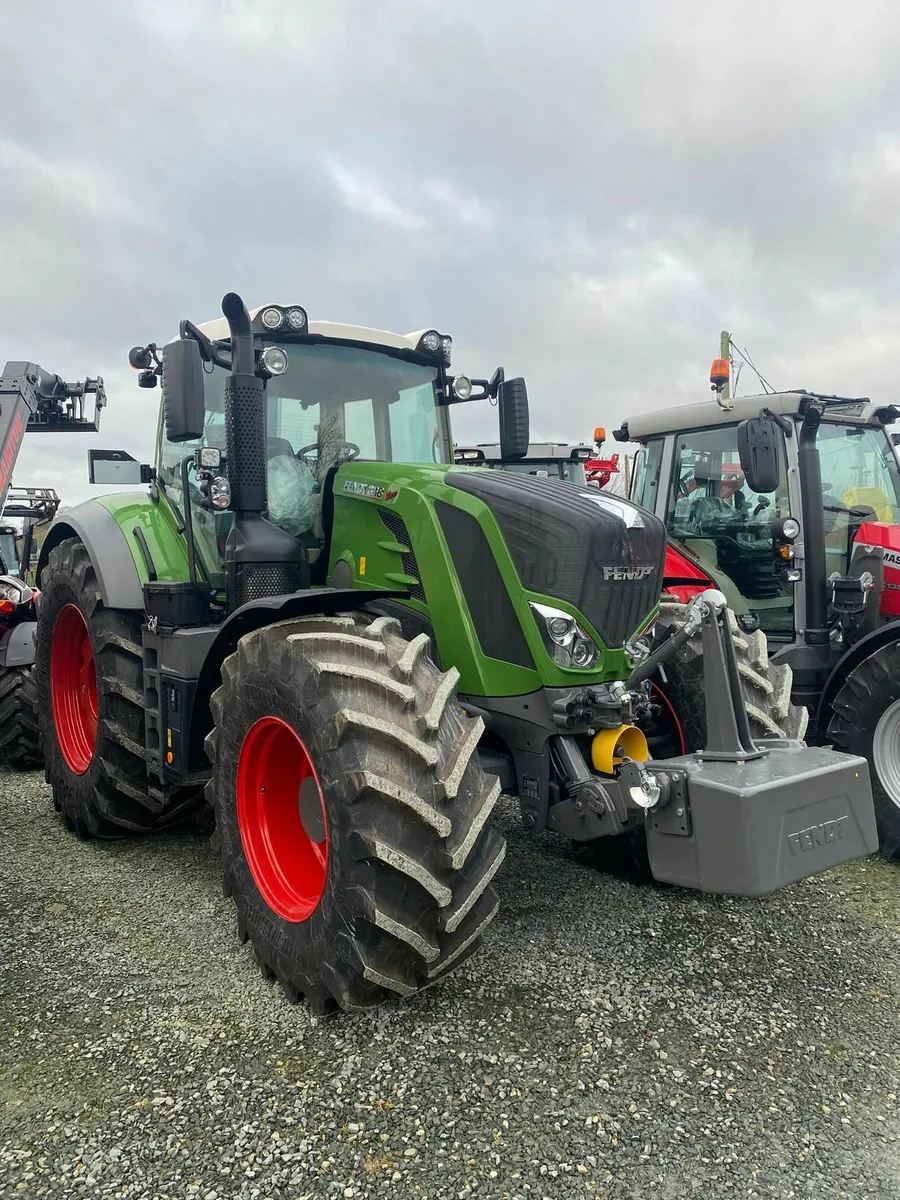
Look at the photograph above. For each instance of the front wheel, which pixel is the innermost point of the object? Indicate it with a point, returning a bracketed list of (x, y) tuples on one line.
[(351, 810), (766, 686), (866, 721)]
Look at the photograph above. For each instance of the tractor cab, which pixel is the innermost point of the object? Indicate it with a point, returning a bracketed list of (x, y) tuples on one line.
[(333, 395), (756, 533)]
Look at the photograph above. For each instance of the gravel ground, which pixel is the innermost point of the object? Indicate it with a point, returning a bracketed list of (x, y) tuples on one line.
[(609, 1041)]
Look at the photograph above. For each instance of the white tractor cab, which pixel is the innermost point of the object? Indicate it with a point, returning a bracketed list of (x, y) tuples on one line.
[(789, 503), (549, 460)]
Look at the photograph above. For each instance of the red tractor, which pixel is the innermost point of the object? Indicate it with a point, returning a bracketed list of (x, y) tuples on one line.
[(789, 504)]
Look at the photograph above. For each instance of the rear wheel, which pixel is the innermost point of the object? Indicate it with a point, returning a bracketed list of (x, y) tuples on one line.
[(351, 810), (20, 742), (866, 721), (89, 674)]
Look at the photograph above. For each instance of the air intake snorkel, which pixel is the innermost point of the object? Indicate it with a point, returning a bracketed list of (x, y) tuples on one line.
[(261, 559)]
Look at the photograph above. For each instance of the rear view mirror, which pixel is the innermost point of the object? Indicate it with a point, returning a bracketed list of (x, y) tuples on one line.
[(116, 468), (182, 390), (514, 427), (757, 440)]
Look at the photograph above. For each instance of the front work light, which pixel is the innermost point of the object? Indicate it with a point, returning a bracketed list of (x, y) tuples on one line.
[(462, 387), (272, 318), (273, 360)]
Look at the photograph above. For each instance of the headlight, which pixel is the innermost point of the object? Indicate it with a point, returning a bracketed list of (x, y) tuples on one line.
[(785, 529), (296, 318), (219, 492), (273, 360), (9, 591), (462, 387), (566, 642), (431, 342), (272, 318), (209, 458)]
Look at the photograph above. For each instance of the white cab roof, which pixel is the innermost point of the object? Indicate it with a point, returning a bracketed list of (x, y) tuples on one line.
[(708, 413), (217, 330)]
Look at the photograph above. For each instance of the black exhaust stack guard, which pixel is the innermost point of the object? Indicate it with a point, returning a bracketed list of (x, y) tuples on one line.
[(261, 559)]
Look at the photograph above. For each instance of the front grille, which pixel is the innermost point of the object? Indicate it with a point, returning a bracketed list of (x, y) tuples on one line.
[(396, 526), (565, 540)]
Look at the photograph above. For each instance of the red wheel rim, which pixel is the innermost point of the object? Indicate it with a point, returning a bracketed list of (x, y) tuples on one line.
[(288, 865), (73, 689)]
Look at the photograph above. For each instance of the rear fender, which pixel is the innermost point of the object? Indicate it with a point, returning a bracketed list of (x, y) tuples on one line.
[(679, 574), (858, 651)]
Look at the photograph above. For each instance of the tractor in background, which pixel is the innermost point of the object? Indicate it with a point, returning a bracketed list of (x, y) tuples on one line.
[(350, 646), (789, 504), (31, 401), (601, 470), (547, 460)]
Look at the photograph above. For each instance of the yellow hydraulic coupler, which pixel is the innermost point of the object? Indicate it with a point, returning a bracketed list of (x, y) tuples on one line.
[(610, 746)]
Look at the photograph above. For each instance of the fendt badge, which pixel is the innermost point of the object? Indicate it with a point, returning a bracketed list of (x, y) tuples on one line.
[(817, 835), (623, 573)]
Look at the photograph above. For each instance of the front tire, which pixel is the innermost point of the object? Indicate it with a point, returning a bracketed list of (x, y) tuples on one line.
[(766, 687), (866, 721), (351, 810)]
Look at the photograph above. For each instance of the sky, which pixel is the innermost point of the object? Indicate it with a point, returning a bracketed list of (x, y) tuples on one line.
[(585, 193)]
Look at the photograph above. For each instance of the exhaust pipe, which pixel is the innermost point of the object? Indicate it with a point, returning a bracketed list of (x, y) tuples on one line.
[(261, 559)]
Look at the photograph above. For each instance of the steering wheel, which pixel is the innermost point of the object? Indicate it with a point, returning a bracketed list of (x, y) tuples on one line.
[(355, 450)]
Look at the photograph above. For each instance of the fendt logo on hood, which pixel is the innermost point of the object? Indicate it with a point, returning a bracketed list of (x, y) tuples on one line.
[(624, 573)]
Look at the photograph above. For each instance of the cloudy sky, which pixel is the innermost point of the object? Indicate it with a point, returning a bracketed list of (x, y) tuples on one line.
[(585, 192)]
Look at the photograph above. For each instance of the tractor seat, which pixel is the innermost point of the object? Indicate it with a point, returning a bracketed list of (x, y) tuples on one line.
[(277, 446)]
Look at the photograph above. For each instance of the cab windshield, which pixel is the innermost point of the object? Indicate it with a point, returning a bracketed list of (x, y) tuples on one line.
[(333, 404), (9, 554), (860, 478)]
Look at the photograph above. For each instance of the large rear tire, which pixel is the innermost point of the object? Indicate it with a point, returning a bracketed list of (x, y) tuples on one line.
[(866, 720), (351, 810), (89, 670), (20, 741)]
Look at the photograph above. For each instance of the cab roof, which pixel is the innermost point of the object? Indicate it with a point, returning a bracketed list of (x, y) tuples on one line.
[(217, 330), (708, 413)]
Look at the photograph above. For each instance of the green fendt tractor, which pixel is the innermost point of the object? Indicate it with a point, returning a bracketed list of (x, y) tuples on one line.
[(321, 621)]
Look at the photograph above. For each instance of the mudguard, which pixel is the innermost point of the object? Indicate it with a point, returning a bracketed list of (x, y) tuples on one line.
[(17, 645), (256, 614), (105, 542)]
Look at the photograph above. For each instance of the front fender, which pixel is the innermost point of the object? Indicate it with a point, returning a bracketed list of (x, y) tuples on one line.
[(104, 540), (17, 645), (860, 650), (311, 602)]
